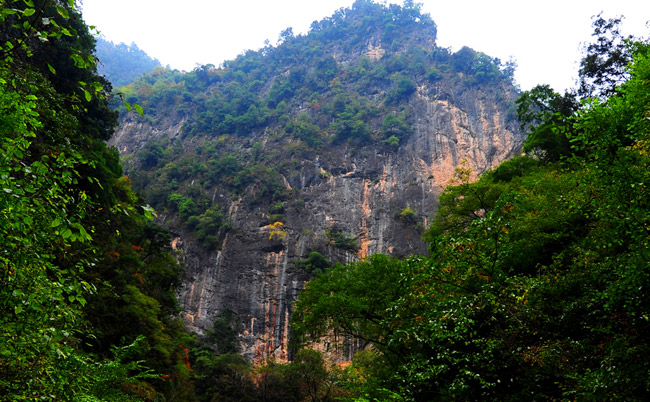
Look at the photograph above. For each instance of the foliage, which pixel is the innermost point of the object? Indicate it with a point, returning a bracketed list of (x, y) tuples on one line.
[(534, 288), (336, 237), (276, 231), (84, 269), (404, 88), (230, 377), (481, 67), (407, 215), (547, 112), (121, 63), (396, 125), (79, 259), (222, 336), (226, 377), (314, 263), (350, 299), (210, 225), (309, 366), (604, 67)]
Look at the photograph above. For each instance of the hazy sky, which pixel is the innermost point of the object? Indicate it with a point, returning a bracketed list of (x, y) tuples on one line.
[(544, 37)]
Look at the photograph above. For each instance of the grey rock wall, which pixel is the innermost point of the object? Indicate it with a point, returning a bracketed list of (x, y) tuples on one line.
[(252, 273)]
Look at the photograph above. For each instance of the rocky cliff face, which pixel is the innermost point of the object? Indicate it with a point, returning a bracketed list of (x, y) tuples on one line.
[(359, 194), (333, 145)]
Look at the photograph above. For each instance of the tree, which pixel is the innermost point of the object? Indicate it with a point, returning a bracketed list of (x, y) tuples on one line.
[(604, 67), (308, 365), (285, 35), (122, 64), (48, 240), (545, 114), (350, 300), (64, 214), (396, 125)]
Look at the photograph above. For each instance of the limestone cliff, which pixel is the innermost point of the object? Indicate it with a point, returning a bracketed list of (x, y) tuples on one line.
[(339, 189)]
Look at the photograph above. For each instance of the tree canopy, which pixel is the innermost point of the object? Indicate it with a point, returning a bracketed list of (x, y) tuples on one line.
[(120, 63)]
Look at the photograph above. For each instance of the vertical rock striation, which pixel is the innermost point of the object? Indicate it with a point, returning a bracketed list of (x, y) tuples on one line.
[(253, 273), (313, 114)]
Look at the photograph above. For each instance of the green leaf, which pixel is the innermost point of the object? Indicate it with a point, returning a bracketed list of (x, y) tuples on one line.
[(83, 235), (52, 70), (138, 109), (149, 212), (56, 222), (66, 233), (87, 95), (79, 62), (62, 12), (29, 12)]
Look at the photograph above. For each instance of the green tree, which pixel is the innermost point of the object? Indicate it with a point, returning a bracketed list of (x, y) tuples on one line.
[(309, 366), (121, 63), (66, 218), (404, 88), (351, 300), (604, 67), (545, 115), (222, 335), (396, 125), (315, 263)]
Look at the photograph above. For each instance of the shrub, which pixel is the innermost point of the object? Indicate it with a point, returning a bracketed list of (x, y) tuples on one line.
[(407, 215), (337, 238)]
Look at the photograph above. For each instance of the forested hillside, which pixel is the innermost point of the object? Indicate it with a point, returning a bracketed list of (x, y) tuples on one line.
[(88, 282), (120, 63), (328, 147), (348, 82)]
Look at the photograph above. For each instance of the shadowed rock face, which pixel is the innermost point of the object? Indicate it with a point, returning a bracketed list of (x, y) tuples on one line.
[(357, 193)]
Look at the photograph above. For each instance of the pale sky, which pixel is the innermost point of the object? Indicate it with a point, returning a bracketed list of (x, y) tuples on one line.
[(544, 37)]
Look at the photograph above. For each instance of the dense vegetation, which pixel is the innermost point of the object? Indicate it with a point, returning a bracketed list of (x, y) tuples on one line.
[(121, 64), (249, 123), (86, 281), (536, 286)]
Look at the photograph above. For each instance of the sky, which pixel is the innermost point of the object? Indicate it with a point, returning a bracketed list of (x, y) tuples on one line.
[(544, 38)]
